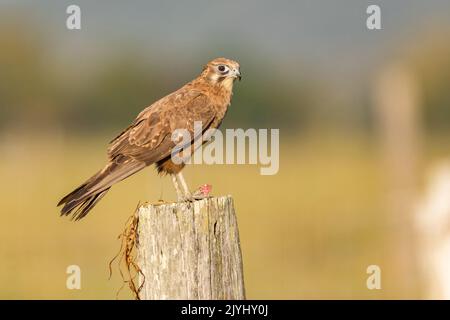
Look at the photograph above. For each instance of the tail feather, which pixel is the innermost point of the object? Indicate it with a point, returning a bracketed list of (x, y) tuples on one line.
[(81, 200), (87, 205), (70, 196)]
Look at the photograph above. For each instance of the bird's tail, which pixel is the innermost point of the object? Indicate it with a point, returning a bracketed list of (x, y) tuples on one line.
[(81, 200)]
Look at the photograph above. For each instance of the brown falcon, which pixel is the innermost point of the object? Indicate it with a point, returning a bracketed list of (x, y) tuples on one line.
[(148, 140)]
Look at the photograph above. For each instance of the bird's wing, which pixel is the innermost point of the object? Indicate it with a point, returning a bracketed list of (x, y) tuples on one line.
[(149, 138)]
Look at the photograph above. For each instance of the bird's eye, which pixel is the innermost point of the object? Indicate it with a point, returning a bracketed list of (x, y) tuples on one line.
[(222, 68)]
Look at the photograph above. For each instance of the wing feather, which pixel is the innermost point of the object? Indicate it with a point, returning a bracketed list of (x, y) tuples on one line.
[(148, 139)]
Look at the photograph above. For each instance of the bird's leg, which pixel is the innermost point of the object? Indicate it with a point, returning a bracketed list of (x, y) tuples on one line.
[(184, 186), (180, 193)]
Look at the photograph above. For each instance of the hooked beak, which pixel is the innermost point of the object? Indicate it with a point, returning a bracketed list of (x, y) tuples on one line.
[(237, 74)]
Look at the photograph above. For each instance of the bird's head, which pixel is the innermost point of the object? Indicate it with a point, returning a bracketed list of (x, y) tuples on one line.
[(222, 71)]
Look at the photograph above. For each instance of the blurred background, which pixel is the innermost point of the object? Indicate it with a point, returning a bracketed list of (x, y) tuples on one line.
[(364, 119)]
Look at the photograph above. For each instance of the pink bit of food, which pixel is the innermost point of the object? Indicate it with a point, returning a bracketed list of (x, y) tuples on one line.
[(205, 189)]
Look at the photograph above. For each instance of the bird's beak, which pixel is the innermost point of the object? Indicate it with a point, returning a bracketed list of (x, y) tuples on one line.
[(237, 74)]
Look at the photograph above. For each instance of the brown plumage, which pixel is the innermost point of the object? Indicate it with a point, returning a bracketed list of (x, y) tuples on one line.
[(148, 139)]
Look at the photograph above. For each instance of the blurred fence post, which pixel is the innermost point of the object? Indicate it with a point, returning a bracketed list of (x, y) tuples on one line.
[(396, 97), (433, 226), (190, 251)]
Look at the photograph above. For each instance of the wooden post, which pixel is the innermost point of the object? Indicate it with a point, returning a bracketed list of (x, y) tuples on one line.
[(397, 106), (190, 251)]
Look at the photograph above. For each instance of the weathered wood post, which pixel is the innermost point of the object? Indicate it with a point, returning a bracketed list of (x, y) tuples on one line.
[(397, 105), (190, 251)]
